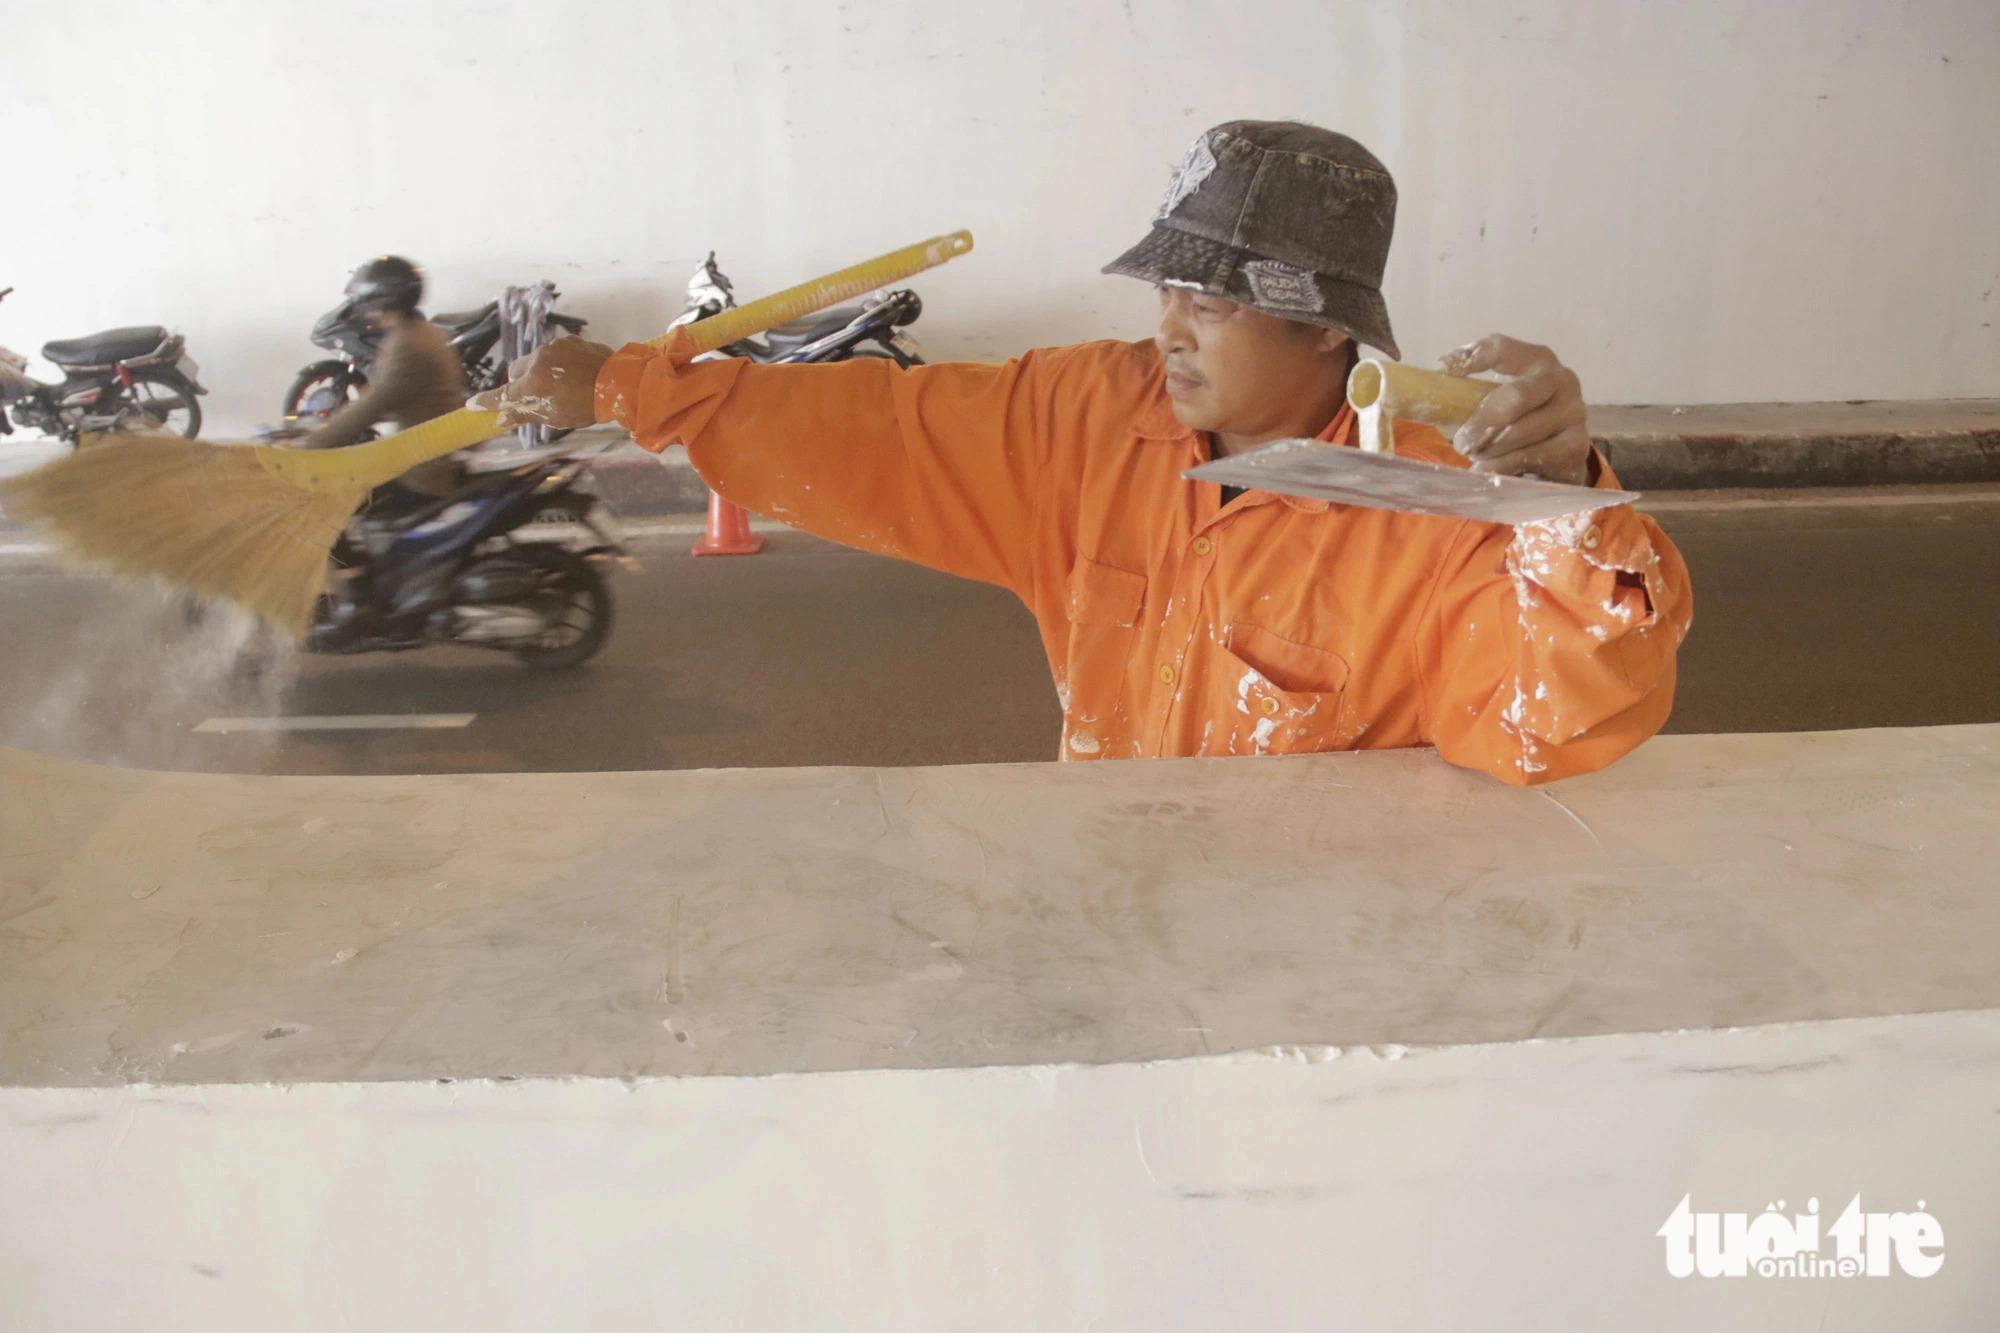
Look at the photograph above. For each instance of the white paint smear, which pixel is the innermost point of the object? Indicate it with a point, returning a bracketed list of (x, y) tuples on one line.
[(345, 722)]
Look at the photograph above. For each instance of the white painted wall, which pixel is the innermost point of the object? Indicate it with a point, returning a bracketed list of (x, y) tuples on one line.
[(1490, 1188), (1739, 200)]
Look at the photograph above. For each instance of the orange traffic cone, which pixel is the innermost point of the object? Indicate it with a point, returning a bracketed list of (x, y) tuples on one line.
[(728, 530)]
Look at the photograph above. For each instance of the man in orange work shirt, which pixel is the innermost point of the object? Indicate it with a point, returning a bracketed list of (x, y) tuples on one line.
[(1180, 620)]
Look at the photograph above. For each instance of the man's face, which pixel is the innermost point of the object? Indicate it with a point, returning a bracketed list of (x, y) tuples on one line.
[(1241, 372)]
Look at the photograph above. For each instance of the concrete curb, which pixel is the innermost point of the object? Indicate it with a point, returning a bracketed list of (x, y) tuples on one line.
[(637, 484), (1791, 445), (1713, 463), (1765, 446)]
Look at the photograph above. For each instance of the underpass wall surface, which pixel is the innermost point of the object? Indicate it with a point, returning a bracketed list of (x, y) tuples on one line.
[(1355, 1040), (1734, 202), (1517, 1186)]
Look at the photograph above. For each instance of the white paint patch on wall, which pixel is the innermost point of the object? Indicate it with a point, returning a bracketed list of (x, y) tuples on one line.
[(1514, 1186), (1692, 203)]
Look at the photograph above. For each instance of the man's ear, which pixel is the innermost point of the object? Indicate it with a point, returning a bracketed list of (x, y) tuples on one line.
[(1333, 340)]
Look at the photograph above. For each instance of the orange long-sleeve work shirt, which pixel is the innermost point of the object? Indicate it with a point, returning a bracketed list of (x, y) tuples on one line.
[(1175, 624)]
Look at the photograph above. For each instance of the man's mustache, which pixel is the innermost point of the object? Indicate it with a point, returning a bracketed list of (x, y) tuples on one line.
[(1176, 366)]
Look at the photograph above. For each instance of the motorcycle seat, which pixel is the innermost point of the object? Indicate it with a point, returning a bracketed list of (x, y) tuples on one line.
[(794, 334), (458, 321), (106, 348)]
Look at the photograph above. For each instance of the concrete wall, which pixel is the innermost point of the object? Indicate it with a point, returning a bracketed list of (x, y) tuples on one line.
[(1704, 203), (1492, 1188)]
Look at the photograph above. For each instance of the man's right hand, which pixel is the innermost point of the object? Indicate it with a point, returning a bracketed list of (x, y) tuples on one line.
[(554, 385)]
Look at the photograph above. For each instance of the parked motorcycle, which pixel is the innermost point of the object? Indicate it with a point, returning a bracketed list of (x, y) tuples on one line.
[(871, 328), (473, 569), (138, 378), (324, 386)]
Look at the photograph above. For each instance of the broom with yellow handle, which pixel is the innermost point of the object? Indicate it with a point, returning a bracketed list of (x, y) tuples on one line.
[(253, 524)]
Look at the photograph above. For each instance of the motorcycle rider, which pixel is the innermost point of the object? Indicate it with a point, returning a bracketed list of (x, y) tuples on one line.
[(417, 376)]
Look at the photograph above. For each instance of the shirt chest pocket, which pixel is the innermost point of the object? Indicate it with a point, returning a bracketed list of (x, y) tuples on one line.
[(1289, 697), (1105, 604), (1104, 596)]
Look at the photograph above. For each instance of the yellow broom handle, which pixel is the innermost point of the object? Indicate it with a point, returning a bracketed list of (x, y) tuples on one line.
[(386, 459), (797, 302), (1381, 390), (1404, 391)]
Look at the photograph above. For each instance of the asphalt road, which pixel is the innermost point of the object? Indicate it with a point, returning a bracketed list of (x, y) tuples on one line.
[(1817, 611)]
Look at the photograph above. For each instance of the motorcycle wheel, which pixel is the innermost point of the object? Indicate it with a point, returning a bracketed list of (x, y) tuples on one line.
[(318, 377), (572, 592), (165, 397)]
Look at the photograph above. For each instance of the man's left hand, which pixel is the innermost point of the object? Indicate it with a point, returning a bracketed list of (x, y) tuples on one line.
[(554, 385), (1534, 423)]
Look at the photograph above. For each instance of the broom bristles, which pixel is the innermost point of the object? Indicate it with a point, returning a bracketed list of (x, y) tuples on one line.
[(255, 526), (205, 517)]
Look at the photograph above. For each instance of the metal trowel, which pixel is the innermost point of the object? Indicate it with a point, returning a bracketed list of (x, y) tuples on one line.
[(1373, 476)]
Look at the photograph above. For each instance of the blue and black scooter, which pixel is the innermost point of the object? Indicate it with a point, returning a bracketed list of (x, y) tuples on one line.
[(513, 560)]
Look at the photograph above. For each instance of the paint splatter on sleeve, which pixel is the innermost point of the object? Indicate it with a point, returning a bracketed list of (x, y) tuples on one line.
[(1548, 650)]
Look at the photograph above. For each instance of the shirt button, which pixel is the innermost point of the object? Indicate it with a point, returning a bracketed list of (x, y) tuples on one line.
[(1592, 537), (1269, 705), (1202, 546), (1167, 674)]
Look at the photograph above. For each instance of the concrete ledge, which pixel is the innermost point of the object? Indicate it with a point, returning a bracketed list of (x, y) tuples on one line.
[(636, 484), (1235, 1043), (1769, 446), (1484, 1187), (1801, 444), (1777, 507), (180, 927), (1766, 446)]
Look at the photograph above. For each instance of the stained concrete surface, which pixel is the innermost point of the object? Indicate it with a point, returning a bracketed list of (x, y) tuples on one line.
[(1812, 611), (180, 927)]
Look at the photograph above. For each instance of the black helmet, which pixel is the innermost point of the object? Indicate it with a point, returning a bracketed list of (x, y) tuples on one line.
[(387, 282)]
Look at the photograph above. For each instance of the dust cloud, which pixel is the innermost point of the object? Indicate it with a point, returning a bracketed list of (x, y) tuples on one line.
[(125, 680)]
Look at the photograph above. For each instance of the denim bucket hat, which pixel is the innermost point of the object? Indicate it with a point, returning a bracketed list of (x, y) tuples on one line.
[(1286, 218)]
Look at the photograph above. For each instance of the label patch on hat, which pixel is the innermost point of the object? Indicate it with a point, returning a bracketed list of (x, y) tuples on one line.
[(1194, 169), (1282, 287)]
